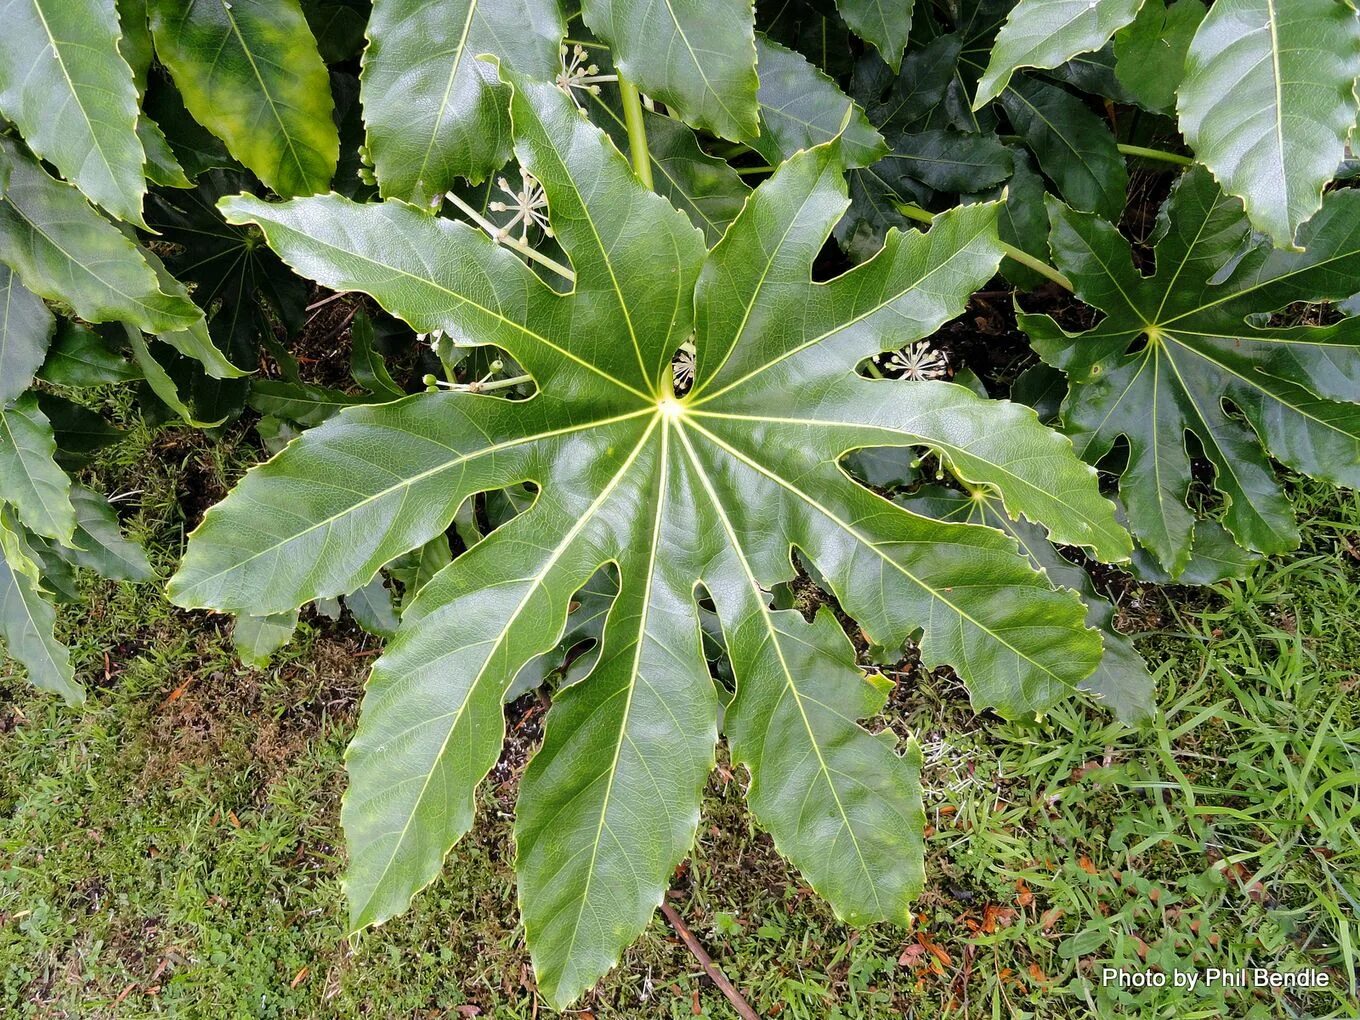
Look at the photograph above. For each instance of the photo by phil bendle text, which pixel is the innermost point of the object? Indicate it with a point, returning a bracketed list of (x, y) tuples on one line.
[(1242, 977)]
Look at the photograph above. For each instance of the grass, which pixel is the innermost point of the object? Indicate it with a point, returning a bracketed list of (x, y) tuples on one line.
[(173, 848)]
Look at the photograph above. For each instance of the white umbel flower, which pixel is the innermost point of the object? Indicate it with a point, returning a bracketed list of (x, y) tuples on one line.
[(529, 203), (576, 74), (918, 361)]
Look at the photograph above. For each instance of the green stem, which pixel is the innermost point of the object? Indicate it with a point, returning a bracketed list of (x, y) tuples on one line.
[(918, 214), (1157, 154), (637, 132), (754, 169), (498, 384), (509, 240)]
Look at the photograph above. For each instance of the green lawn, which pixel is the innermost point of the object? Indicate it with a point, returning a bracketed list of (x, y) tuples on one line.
[(172, 849)]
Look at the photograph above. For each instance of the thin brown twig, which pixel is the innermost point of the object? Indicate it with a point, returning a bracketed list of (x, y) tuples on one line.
[(326, 300), (725, 986)]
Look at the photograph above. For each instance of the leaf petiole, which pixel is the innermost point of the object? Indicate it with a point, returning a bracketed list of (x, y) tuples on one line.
[(637, 133), (918, 214), (500, 237), (1155, 154)]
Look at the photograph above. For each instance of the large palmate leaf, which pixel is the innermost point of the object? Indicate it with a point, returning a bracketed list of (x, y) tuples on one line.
[(27, 617), (1267, 101), (1178, 353), (885, 23), (1150, 52), (65, 251), (696, 56), (801, 107), (25, 331), (710, 490), (29, 476), (237, 280), (434, 112), (1070, 144), (1047, 33), (1121, 680), (69, 90), (249, 71)]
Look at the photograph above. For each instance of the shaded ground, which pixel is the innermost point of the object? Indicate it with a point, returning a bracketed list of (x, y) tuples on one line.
[(173, 848)]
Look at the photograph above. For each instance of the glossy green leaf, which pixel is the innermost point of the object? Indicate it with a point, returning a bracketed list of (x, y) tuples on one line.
[(249, 71), (372, 608), (1174, 347), (65, 85), (704, 188), (161, 165), (712, 489), (257, 638), (25, 331), (80, 356), (160, 381), (65, 251), (417, 568), (304, 403), (1267, 101), (99, 542), (79, 431), (1047, 33), (1121, 681), (885, 23), (1072, 146), (917, 88), (950, 161), (801, 107), (696, 56), (433, 111), (29, 476), (366, 361), (1150, 52), (27, 618)]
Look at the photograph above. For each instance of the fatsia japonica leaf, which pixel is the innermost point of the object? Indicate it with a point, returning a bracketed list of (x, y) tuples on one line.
[(249, 71), (696, 56), (1070, 143), (1047, 33), (26, 328), (1267, 101), (801, 107), (885, 23), (29, 476), (257, 638), (704, 187), (65, 85), (99, 542), (1176, 350), (712, 489), (65, 251), (28, 617), (433, 111), (1121, 681), (1150, 52)]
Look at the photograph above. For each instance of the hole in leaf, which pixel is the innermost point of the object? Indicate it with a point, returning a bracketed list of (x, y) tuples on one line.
[(683, 365)]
